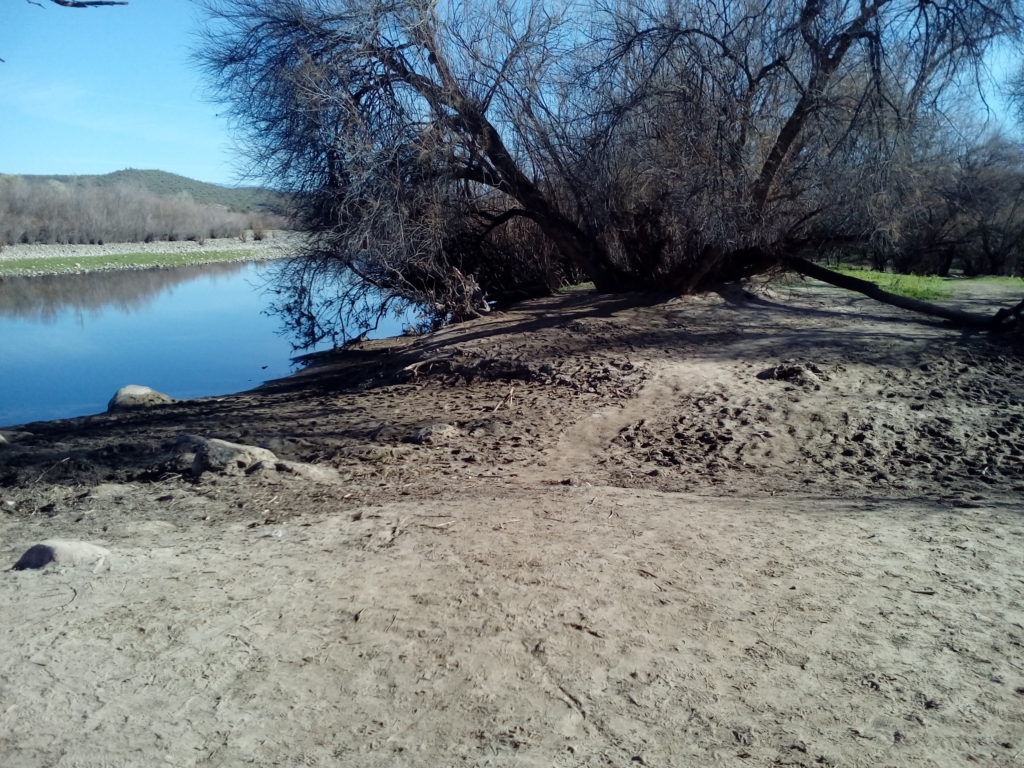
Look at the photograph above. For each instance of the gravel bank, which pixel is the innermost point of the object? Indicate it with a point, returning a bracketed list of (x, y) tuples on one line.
[(277, 245)]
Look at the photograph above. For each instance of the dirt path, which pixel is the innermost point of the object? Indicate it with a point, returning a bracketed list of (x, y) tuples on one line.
[(591, 436), (723, 531)]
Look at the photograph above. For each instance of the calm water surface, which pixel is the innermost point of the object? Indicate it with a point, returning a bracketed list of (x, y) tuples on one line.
[(68, 342)]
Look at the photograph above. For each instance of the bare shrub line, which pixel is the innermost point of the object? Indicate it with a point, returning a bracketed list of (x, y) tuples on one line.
[(53, 212)]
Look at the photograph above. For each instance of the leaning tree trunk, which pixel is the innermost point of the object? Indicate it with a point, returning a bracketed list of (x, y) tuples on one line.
[(504, 172), (1009, 318), (713, 267)]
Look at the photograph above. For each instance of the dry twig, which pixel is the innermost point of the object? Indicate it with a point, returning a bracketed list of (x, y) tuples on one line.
[(507, 401)]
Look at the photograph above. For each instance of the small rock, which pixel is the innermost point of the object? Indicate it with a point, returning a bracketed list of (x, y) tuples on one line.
[(803, 375), (435, 434), (135, 396), (108, 491), (62, 553)]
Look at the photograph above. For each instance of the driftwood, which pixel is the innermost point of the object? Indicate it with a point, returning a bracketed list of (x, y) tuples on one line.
[(413, 370), (1006, 319)]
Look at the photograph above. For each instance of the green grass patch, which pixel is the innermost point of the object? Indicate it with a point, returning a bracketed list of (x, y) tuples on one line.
[(1012, 282), (64, 265), (924, 287)]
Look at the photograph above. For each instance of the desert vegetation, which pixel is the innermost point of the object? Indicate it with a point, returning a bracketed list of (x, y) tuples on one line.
[(240, 198), (914, 286), (70, 210), (447, 154), (966, 215)]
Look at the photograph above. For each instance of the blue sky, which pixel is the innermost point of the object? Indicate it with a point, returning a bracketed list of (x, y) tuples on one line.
[(95, 90)]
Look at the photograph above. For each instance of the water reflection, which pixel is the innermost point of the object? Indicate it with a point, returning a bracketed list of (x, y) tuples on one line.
[(45, 297), (67, 343)]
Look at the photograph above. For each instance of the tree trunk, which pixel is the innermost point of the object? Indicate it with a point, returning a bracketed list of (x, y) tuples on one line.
[(573, 243), (713, 267)]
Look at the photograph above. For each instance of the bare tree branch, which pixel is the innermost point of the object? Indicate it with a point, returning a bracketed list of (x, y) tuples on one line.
[(644, 144), (74, 4)]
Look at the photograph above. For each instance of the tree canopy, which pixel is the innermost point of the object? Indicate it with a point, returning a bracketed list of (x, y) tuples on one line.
[(444, 151)]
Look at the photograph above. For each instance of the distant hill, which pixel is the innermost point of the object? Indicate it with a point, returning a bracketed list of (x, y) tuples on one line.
[(243, 199), (132, 206)]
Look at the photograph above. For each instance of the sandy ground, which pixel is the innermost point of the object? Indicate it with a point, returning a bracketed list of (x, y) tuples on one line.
[(781, 529)]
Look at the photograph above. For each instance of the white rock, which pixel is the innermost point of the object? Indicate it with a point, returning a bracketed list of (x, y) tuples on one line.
[(135, 396), (108, 491), (62, 553), (216, 455), (311, 472)]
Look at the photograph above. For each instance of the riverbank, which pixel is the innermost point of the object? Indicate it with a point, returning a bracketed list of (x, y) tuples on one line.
[(56, 258), (771, 529)]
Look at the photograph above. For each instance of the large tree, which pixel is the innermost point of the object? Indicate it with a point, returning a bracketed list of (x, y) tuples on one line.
[(789, 125), (648, 144), (400, 125)]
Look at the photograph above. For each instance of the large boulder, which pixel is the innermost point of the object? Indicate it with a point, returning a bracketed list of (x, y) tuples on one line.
[(195, 454), (311, 472), (135, 396), (214, 455), (62, 553)]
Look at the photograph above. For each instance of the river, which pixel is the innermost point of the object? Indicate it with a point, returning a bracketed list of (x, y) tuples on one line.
[(68, 342)]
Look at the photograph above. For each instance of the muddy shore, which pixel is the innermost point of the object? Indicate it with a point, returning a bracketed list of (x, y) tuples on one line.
[(778, 528)]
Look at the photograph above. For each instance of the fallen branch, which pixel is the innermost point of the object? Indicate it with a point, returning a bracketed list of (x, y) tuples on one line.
[(1003, 320), (413, 369)]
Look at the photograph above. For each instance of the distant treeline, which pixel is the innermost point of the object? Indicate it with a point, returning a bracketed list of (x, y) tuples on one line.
[(47, 210), (242, 199)]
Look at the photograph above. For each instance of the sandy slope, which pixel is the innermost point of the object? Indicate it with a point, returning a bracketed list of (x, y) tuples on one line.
[(722, 531)]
